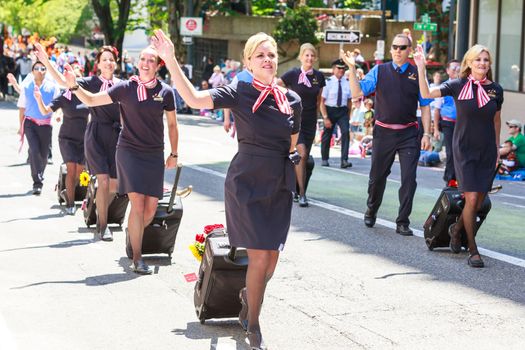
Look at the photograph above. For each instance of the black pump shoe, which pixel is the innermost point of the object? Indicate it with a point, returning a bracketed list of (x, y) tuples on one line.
[(243, 315), (475, 262), (303, 201), (256, 341)]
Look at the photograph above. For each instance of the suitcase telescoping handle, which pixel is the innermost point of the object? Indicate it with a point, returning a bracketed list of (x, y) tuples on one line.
[(231, 253), (174, 189)]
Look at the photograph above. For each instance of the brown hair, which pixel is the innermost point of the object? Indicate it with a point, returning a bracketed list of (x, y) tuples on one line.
[(107, 48)]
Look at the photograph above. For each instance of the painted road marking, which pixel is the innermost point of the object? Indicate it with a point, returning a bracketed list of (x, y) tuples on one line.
[(487, 252)]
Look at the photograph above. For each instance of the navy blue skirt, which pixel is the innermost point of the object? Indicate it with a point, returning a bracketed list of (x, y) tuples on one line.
[(140, 172), (100, 144)]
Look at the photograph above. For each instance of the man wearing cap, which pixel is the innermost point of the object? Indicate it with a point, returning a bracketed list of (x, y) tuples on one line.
[(335, 109), (518, 142), (396, 129)]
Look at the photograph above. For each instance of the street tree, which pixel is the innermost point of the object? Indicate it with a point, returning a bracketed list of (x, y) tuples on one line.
[(113, 18)]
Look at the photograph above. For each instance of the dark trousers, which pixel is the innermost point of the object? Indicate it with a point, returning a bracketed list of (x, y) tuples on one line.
[(386, 144), (448, 131), (338, 116), (38, 139)]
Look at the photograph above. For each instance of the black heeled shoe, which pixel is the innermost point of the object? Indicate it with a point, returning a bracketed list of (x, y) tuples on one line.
[(256, 341), (455, 240), (243, 315), (478, 263)]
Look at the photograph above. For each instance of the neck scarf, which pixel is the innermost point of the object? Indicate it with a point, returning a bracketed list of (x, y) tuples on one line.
[(106, 84), (467, 93), (303, 79), (141, 89), (280, 97), (67, 94)]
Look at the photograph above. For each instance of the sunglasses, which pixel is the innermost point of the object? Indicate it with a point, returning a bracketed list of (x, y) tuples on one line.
[(512, 126), (40, 69), (340, 67), (399, 47)]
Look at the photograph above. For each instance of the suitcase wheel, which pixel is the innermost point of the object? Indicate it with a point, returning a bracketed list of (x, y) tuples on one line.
[(202, 321), (430, 248)]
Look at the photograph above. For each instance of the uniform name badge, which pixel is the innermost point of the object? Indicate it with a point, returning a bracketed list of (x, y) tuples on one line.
[(412, 76), (491, 93), (158, 98)]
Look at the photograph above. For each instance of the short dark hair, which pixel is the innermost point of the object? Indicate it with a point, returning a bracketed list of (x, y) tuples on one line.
[(37, 62), (452, 61)]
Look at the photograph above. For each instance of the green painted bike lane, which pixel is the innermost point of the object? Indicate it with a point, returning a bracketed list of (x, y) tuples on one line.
[(501, 231)]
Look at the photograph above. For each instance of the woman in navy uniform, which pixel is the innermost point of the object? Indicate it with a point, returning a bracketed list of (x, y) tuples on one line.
[(70, 136), (308, 83), (476, 136), (260, 179), (140, 161), (100, 141)]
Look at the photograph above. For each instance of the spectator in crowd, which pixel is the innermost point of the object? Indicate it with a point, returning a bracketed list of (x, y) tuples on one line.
[(368, 123), (357, 118), (517, 142), (23, 66), (217, 78)]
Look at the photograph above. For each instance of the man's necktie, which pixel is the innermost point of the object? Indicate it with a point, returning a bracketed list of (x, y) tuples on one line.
[(339, 94)]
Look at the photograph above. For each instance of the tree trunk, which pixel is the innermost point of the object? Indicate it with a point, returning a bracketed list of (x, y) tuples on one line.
[(114, 34)]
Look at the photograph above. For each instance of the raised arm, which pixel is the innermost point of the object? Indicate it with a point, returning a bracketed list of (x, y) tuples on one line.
[(349, 59), (41, 54), (424, 89), (43, 108), (12, 80), (92, 100), (166, 51)]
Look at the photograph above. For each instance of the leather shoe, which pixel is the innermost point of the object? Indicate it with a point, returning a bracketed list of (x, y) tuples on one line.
[(404, 230), (106, 235), (370, 218), (303, 202), (141, 268), (256, 341), (296, 197), (70, 210), (345, 164), (37, 191), (325, 163)]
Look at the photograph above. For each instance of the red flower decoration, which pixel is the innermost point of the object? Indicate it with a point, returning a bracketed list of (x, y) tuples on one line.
[(209, 228), (199, 237)]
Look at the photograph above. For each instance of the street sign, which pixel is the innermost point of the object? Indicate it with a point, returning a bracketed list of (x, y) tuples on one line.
[(187, 40), (191, 26), (342, 36), (380, 47), (425, 24)]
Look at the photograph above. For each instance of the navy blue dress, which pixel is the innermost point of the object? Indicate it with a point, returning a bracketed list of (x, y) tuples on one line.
[(71, 134), (140, 148), (100, 141), (309, 101), (261, 178), (474, 140)]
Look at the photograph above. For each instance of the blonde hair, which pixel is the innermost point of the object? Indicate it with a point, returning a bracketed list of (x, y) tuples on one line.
[(254, 41), (304, 47), (470, 56)]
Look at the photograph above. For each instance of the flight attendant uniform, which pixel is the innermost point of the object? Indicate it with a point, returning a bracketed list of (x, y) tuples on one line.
[(261, 178), (140, 148), (102, 131), (474, 141), (395, 131)]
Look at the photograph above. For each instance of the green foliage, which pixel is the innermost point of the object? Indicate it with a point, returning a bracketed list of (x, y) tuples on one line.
[(297, 25), (439, 41), (61, 19), (263, 7)]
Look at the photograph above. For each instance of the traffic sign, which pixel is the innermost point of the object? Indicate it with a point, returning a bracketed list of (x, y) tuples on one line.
[(431, 27), (191, 26), (187, 40), (342, 36)]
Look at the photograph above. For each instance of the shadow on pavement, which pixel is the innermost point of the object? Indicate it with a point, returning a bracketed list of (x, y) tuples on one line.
[(13, 195), (95, 281), (16, 165), (67, 244), (214, 330), (40, 217)]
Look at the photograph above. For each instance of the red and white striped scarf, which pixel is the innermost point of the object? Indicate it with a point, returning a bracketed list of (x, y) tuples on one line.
[(141, 89), (67, 94), (467, 93), (280, 97), (303, 79), (106, 84)]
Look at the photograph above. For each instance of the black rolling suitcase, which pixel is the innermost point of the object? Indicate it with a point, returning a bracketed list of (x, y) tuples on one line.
[(159, 236), (116, 210), (80, 191), (222, 274), (310, 164), (446, 212)]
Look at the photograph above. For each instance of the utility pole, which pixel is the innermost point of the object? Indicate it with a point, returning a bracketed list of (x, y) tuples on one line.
[(451, 26), (383, 19), (189, 52), (462, 28)]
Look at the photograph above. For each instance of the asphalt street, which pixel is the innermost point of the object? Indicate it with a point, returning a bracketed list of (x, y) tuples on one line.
[(338, 285)]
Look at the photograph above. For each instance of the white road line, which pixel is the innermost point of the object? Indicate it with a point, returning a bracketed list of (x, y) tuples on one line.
[(511, 196), (514, 205), (487, 252)]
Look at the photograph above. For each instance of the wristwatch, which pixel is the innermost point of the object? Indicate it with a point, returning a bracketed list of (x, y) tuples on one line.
[(74, 87), (427, 134), (174, 155)]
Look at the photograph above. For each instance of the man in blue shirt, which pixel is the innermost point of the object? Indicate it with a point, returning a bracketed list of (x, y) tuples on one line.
[(396, 129), (445, 118)]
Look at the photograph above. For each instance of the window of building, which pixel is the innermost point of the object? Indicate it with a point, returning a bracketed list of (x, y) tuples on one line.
[(488, 27), (509, 44)]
